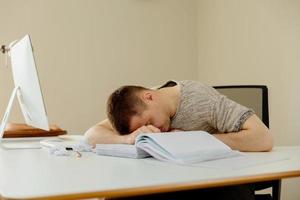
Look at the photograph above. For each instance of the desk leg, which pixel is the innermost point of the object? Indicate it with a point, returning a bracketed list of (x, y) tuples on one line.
[(276, 190)]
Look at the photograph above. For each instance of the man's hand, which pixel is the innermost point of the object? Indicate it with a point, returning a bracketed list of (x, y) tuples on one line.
[(130, 138)]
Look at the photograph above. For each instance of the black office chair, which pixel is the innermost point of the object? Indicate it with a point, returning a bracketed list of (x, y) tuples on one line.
[(255, 97)]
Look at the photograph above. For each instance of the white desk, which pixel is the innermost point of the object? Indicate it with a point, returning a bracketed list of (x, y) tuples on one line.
[(29, 174)]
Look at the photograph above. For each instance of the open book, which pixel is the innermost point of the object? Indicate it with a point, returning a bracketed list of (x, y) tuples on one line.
[(179, 147)]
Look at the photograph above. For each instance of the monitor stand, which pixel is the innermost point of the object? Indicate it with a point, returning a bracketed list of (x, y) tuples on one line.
[(8, 111), (16, 143)]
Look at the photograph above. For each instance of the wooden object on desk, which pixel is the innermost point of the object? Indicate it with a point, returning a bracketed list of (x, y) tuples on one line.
[(15, 130)]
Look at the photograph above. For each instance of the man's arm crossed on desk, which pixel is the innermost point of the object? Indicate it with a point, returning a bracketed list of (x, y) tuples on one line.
[(133, 110)]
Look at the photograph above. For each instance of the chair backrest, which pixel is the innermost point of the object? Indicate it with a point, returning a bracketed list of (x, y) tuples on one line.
[(251, 96), (255, 97)]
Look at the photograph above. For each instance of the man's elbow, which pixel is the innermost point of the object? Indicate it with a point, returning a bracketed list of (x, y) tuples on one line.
[(89, 136), (267, 141)]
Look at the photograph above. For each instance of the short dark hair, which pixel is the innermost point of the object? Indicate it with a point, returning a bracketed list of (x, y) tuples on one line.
[(122, 105)]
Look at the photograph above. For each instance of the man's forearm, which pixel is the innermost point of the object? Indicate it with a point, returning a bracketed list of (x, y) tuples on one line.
[(101, 135), (253, 136), (247, 140)]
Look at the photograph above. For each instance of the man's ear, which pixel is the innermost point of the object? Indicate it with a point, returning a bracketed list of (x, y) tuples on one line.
[(147, 96)]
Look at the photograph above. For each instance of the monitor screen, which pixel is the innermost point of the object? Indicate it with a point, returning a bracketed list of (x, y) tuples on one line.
[(25, 77)]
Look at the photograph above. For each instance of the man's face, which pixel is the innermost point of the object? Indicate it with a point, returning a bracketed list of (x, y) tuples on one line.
[(151, 116)]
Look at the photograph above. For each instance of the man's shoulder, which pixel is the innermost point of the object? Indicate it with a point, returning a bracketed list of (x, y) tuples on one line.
[(193, 84), (199, 91)]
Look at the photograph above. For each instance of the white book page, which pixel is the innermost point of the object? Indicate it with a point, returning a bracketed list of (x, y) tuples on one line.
[(120, 150), (185, 146)]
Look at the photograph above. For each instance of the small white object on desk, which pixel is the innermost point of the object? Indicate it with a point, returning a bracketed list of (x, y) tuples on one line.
[(63, 146)]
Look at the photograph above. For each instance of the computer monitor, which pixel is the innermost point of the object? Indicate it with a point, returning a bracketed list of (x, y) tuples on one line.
[(27, 86)]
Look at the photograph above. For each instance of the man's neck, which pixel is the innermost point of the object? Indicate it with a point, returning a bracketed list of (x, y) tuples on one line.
[(171, 99)]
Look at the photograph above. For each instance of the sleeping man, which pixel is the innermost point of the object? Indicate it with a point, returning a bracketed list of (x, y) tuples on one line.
[(180, 105)]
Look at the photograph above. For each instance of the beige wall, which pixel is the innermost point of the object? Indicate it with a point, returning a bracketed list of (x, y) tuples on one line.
[(85, 49), (256, 42)]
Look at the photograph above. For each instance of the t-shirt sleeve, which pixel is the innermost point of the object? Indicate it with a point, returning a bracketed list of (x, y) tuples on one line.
[(228, 115)]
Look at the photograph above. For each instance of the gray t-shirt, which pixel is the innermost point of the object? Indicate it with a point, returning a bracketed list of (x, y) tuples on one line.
[(202, 107)]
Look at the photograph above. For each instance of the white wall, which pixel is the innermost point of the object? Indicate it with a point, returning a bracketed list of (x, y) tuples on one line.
[(87, 48), (256, 42)]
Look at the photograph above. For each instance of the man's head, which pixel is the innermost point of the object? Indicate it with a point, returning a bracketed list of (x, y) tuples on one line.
[(131, 107)]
